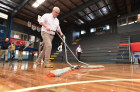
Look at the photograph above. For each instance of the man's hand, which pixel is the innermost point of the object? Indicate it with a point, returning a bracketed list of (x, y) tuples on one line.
[(63, 37), (48, 29)]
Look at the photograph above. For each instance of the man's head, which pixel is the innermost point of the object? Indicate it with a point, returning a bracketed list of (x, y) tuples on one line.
[(13, 43), (79, 46), (55, 12), (21, 42), (6, 39), (138, 17), (61, 43)]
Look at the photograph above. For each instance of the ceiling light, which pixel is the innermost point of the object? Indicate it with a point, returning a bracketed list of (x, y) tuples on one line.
[(4, 16), (40, 1), (35, 5)]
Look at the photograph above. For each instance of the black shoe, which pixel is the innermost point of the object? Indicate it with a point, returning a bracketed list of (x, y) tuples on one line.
[(48, 66)]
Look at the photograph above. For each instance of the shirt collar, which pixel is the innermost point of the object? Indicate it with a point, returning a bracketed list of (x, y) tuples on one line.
[(52, 15)]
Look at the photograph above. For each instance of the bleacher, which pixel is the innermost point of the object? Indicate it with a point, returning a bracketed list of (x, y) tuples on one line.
[(101, 49)]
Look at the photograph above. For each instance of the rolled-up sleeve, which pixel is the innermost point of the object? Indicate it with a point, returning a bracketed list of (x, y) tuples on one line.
[(58, 27), (43, 18)]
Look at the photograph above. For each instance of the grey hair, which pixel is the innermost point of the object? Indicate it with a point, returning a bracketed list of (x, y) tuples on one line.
[(56, 8)]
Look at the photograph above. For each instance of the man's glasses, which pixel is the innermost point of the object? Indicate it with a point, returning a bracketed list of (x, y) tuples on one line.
[(56, 12)]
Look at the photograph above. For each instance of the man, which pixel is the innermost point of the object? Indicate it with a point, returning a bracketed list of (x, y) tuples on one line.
[(4, 48), (78, 52), (12, 51), (60, 48), (49, 22), (20, 52)]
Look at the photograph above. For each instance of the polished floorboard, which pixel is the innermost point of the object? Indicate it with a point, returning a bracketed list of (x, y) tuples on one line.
[(26, 76)]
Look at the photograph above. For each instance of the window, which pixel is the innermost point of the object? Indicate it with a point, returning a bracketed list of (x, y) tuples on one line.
[(123, 22), (128, 20), (106, 27), (93, 30), (18, 35), (31, 38), (25, 37), (83, 32), (37, 39)]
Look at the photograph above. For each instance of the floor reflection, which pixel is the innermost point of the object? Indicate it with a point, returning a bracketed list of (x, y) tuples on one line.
[(19, 75), (24, 65)]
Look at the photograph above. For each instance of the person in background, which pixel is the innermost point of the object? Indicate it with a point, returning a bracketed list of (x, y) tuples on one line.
[(28, 44), (12, 51), (4, 48), (60, 48), (21, 48), (78, 52), (40, 47), (49, 22)]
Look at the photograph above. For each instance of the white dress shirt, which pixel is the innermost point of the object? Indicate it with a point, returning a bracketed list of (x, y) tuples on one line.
[(79, 49), (51, 22), (60, 48)]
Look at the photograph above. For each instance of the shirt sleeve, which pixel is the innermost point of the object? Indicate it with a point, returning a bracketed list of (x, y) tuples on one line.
[(58, 27), (58, 48), (43, 18)]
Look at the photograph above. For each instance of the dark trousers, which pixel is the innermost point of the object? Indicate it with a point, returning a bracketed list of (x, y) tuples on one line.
[(79, 54), (61, 56), (12, 55)]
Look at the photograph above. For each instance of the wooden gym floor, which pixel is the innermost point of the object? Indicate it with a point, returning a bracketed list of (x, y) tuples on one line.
[(27, 77)]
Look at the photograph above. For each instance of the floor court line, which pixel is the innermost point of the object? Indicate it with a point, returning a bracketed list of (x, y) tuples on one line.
[(98, 76), (71, 83)]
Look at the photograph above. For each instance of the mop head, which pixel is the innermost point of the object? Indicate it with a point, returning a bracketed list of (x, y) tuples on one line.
[(93, 67), (59, 72), (75, 67)]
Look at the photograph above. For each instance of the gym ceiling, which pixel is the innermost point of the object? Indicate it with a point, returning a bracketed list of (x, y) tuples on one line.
[(79, 12)]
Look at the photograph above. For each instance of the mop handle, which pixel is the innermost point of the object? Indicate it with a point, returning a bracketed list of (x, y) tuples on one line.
[(69, 48), (63, 39)]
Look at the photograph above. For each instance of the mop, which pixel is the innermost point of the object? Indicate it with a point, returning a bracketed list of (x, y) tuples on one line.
[(59, 72)]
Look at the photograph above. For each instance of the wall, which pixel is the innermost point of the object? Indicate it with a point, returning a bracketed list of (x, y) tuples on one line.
[(129, 28), (24, 29)]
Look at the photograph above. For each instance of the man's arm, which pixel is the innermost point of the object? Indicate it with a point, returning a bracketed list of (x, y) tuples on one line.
[(43, 24), (60, 32), (9, 47), (76, 51), (24, 47)]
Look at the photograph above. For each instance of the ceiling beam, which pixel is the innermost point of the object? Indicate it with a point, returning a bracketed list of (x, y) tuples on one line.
[(9, 2), (6, 9), (6, 12), (79, 8), (116, 6), (77, 13), (128, 5), (102, 20), (20, 7), (7, 5)]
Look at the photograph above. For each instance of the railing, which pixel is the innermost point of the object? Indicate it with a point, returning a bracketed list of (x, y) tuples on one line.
[(129, 49)]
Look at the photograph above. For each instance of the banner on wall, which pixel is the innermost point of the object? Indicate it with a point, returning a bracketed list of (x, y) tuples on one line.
[(2, 31), (17, 42), (33, 26)]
